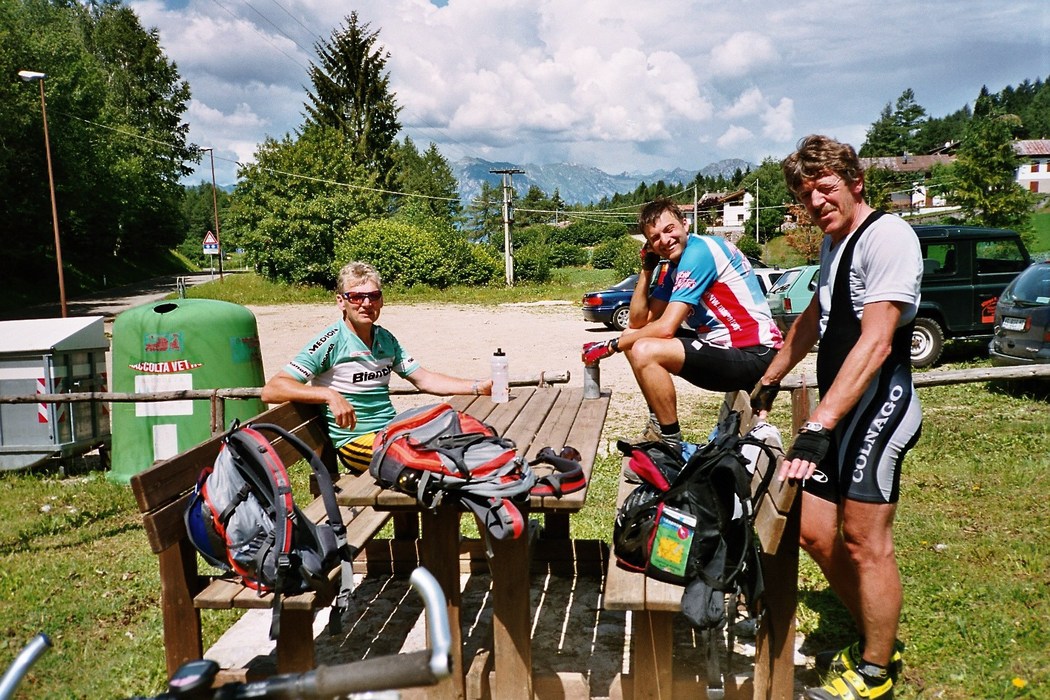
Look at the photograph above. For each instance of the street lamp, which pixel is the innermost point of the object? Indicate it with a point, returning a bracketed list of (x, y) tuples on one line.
[(29, 76)]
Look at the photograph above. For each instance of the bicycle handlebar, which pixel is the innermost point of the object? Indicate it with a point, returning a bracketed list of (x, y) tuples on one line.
[(29, 654), (412, 669)]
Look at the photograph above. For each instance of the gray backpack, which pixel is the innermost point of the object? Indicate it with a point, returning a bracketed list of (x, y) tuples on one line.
[(242, 518)]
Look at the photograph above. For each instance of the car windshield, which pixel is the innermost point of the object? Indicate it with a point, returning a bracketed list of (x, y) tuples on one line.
[(627, 283), (785, 280), (1031, 287)]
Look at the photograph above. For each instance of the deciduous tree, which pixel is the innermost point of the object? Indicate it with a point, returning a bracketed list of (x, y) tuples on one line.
[(295, 199)]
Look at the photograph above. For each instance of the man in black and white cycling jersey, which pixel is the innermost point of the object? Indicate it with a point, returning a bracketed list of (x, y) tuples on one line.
[(850, 453)]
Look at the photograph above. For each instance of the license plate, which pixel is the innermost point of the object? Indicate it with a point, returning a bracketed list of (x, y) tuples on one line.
[(1014, 324)]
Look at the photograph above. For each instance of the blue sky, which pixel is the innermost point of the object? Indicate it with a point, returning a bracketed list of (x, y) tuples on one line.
[(622, 86)]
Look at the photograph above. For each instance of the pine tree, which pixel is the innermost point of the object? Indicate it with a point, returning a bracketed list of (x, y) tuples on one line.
[(983, 179), (351, 92)]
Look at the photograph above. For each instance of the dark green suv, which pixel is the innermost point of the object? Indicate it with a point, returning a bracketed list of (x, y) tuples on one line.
[(965, 269)]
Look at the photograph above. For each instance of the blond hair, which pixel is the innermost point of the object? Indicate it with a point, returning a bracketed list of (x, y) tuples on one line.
[(356, 273)]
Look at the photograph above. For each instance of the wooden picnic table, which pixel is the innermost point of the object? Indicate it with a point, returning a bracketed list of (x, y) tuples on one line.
[(534, 418)]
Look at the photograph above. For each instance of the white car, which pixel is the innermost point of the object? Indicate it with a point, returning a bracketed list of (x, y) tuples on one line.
[(767, 277)]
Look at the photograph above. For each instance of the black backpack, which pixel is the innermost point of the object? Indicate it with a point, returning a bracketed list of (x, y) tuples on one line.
[(242, 518), (691, 520)]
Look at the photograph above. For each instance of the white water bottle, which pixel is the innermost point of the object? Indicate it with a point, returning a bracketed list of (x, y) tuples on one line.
[(500, 385)]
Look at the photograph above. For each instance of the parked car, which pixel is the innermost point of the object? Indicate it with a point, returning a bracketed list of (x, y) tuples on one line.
[(965, 270), (791, 294), (612, 306), (767, 277), (1022, 319)]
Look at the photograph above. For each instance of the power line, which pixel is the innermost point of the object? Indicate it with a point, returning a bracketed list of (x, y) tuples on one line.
[(265, 38)]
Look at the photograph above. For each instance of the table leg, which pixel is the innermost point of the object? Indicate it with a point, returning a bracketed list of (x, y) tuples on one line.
[(652, 649), (556, 526), (440, 545), (511, 619)]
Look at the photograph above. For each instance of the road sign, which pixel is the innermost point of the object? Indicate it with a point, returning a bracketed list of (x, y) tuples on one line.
[(211, 244)]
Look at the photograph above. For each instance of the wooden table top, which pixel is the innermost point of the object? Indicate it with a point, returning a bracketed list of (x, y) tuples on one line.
[(534, 418)]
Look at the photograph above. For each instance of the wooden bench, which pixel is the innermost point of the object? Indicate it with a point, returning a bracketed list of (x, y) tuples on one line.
[(162, 492), (654, 604)]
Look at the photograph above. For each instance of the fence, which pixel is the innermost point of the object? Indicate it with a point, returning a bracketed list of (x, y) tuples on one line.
[(218, 397)]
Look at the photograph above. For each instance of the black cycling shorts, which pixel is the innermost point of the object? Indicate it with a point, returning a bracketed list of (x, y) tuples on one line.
[(869, 444), (721, 368)]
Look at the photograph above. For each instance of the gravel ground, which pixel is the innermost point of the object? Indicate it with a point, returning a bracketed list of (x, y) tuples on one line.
[(459, 340)]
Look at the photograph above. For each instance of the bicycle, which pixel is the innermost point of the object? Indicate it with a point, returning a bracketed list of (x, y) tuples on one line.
[(194, 679)]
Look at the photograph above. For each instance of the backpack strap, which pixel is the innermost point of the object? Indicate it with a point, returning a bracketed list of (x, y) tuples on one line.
[(567, 476), (335, 518)]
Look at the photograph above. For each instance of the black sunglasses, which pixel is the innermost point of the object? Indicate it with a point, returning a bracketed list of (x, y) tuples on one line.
[(359, 297)]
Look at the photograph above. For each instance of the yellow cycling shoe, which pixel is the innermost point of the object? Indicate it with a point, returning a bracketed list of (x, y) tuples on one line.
[(851, 686)]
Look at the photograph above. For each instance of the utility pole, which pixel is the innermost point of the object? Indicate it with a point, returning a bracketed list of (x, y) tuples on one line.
[(508, 258), (215, 207), (756, 210), (696, 212)]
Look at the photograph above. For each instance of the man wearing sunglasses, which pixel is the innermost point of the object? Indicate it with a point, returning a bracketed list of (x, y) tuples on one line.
[(347, 366)]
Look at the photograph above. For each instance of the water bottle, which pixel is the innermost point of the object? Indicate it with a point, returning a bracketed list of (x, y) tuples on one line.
[(500, 386)]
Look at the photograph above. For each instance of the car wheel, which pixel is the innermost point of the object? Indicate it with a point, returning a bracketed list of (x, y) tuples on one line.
[(621, 317), (927, 341)]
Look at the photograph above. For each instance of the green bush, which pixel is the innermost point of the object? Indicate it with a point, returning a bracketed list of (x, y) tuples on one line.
[(749, 246), (607, 253), (589, 233), (567, 255), (410, 254), (532, 263), (604, 256)]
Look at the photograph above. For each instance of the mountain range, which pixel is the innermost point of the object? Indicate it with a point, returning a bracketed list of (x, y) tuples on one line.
[(576, 184)]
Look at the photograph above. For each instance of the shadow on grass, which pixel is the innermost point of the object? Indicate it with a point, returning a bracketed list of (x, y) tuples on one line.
[(835, 628), (1028, 389)]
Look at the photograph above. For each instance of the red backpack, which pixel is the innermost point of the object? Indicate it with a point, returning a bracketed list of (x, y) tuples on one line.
[(435, 452)]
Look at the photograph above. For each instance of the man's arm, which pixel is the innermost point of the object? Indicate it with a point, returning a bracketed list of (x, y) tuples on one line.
[(283, 387), (665, 326), (643, 307), (443, 385), (862, 364)]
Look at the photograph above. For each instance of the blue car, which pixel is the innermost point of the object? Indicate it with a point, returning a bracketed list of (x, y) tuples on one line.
[(612, 306)]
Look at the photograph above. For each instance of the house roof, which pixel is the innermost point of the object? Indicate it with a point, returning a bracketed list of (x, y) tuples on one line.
[(907, 164), (1032, 147)]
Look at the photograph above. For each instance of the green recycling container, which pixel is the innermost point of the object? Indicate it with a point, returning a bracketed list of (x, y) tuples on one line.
[(178, 345)]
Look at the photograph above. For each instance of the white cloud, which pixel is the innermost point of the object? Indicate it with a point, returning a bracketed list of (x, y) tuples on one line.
[(735, 136), (741, 53), (778, 121), (626, 86)]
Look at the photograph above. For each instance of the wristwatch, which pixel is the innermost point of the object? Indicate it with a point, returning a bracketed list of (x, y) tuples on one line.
[(813, 427)]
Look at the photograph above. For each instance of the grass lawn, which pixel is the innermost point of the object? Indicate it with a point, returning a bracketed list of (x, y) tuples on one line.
[(973, 541), (1041, 226)]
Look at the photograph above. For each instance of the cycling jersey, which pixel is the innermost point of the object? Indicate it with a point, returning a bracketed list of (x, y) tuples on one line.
[(728, 306), (339, 359)]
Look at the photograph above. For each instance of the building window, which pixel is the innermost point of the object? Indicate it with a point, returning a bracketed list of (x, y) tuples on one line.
[(1035, 166), (1033, 186)]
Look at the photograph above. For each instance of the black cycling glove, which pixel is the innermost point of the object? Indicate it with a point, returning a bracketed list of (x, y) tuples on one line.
[(763, 395), (810, 445)]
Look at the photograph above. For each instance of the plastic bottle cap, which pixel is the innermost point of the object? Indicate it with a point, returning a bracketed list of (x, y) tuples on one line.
[(499, 351)]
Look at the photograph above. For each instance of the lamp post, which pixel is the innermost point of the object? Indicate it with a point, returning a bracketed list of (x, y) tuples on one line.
[(29, 76)]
